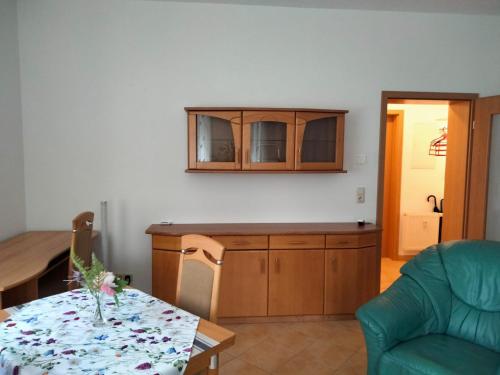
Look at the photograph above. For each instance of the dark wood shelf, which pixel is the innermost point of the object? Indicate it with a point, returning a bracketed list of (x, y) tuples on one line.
[(232, 229), (264, 172), (202, 109)]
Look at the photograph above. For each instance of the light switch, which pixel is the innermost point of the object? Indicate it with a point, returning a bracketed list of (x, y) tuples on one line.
[(360, 194)]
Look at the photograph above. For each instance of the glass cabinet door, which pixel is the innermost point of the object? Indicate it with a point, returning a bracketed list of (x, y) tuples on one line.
[(215, 140), (268, 140), (319, 141)]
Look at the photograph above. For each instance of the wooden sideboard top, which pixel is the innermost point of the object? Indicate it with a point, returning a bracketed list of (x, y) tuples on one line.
[(243, 229)]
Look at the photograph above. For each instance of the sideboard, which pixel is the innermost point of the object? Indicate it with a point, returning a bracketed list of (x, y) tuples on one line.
[(277, 270)]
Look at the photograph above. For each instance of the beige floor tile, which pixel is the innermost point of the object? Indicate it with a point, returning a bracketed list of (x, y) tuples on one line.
[(345, 337), (315, 330), (239, 367), (225, 357), (304, 365), (329, 355), (268, 355), (351, 324), (243, 342)]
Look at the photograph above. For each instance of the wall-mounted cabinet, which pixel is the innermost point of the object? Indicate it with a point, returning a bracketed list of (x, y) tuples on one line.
[(260, 140)]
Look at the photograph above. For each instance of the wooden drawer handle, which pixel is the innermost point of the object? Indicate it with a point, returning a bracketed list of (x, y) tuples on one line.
[(277, 265), (238, 156), (262, 266), (296, 242), (344, 242), (247, 158), (241, 243), (334, 264)]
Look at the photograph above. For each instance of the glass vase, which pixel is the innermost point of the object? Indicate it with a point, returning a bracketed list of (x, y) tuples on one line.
[(98, 318)]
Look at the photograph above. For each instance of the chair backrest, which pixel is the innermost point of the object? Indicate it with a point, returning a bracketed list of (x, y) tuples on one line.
[(198, 280), (81, 242)]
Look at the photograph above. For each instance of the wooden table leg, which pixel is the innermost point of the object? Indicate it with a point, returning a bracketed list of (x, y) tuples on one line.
[(213, 369)]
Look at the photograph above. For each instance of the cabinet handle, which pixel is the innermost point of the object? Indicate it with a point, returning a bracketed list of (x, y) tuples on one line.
[(343, 242), (262, 266), (334, 264), (247, 158), (296, 242), (277, 265), (238, 156), (240, 243)]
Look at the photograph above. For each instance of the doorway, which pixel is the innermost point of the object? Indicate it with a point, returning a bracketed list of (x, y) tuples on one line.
[(423, 173)]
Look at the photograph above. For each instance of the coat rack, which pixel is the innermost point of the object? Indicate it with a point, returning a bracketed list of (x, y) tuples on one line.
[(439, 145)]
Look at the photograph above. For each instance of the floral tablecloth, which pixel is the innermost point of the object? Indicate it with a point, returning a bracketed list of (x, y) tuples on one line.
[(54, 335)]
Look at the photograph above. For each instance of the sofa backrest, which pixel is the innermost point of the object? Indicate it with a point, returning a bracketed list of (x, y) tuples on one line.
[(473, 270), (462, 279)]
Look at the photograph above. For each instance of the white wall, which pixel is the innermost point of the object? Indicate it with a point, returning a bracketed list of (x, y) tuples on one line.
[(104, 84), (12, 199)]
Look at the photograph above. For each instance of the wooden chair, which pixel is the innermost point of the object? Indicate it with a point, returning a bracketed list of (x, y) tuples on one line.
[(81, 242), (199, 276)]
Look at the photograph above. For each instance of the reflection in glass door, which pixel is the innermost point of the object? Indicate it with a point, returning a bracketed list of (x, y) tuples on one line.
[(493, 206), (214, 140), (319, 140), (268, 140)]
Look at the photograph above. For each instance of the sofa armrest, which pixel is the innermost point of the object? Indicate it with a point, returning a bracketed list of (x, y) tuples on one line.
[(402, 312)]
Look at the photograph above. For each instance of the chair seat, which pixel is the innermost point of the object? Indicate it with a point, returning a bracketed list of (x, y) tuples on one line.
[(439, 355)]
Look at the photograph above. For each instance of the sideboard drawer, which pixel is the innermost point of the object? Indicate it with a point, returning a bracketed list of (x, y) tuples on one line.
[(242, 242), (350, 241), (166, 242), (297, 242)]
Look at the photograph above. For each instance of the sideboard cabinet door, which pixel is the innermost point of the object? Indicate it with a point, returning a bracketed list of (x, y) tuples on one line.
[(165, 270), (350, 279), (296, 282), (243, 290)]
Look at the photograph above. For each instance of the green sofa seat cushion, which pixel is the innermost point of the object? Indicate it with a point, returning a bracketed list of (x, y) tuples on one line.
[(439, 355)]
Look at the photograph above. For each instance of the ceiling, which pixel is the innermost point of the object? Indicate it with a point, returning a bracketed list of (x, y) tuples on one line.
[(491, 7)]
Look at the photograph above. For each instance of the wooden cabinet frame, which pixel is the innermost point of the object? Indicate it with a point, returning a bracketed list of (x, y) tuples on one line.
[(235, 118), (253, 116), (301, 120), (241, 119)]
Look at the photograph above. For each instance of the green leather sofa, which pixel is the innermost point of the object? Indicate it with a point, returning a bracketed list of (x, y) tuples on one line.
[(442, 316)]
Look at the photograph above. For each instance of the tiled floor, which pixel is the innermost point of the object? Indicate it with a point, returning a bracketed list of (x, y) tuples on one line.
[(328, 347), (389, 272)]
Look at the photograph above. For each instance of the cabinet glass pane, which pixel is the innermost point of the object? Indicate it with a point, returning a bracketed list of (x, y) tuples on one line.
[(214, 139), (320, 141), (493, 207), (268, 142)]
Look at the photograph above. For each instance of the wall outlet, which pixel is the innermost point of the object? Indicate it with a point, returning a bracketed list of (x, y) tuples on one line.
[(360, 195)]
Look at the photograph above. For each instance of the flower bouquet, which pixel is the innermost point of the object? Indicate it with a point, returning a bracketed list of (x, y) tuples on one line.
[(98, 282)]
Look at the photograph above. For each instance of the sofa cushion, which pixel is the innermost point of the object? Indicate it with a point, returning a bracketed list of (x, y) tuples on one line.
[(439, 355)]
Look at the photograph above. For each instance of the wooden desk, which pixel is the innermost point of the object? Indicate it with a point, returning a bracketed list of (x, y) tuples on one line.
[(26, 259), (202, 358)]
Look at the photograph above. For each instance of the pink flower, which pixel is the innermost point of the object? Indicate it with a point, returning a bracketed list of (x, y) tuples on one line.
[(108, 284)]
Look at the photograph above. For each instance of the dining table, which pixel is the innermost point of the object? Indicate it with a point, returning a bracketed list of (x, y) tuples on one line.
[(141, 334)]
